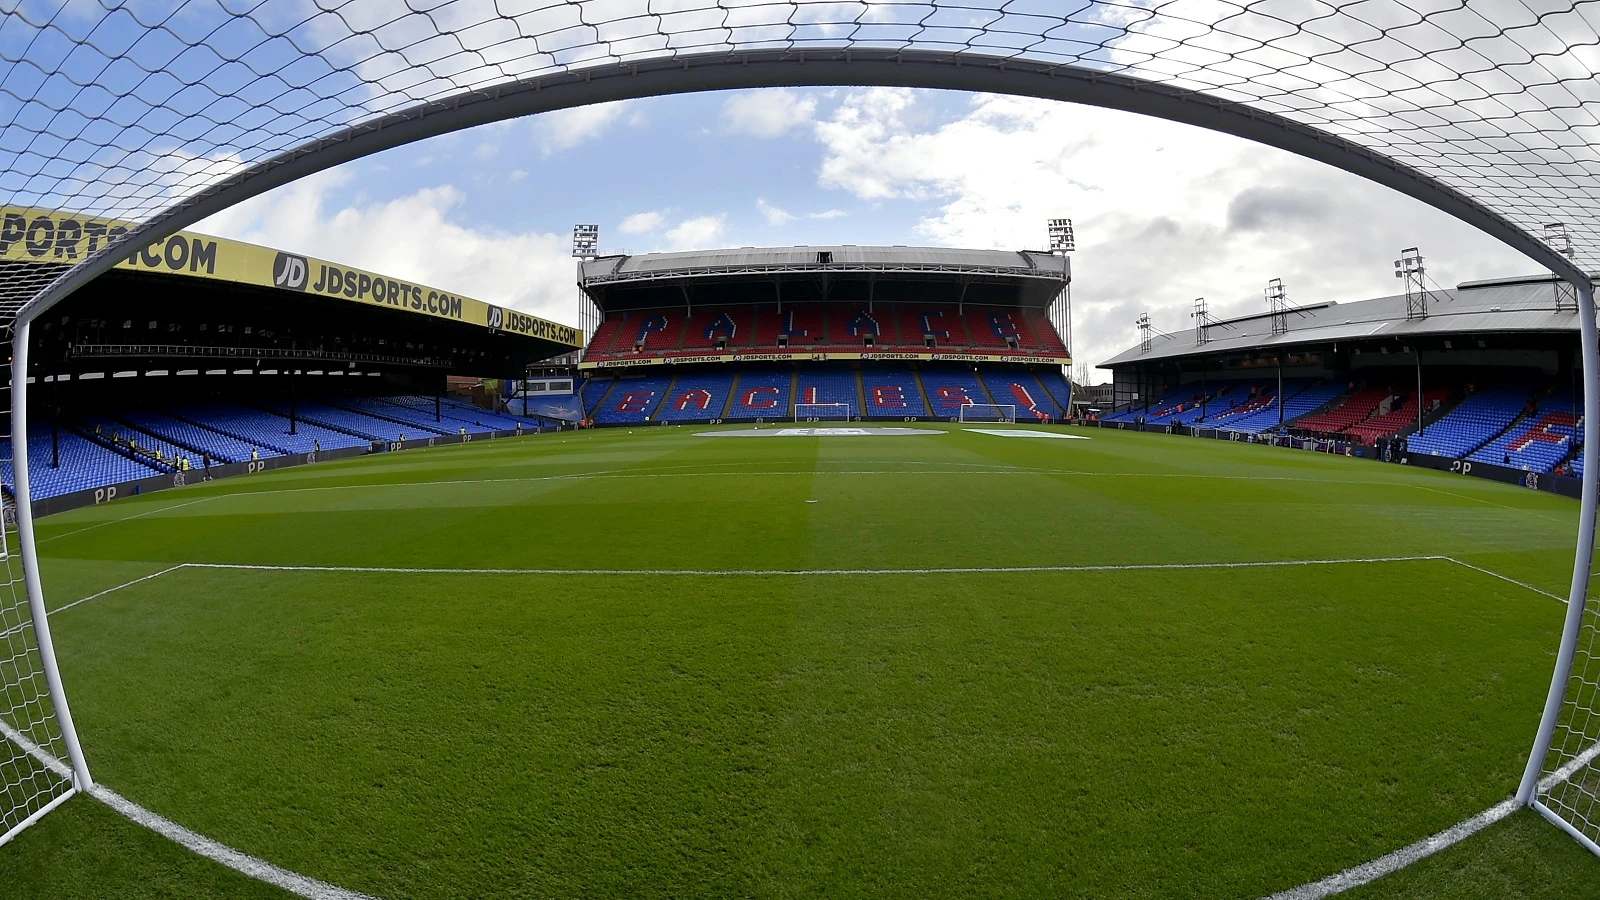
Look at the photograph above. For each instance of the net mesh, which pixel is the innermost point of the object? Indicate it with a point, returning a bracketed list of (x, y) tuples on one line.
[(124, 111), (31, 735), (811, 412), (987, 412), (1571, 784)]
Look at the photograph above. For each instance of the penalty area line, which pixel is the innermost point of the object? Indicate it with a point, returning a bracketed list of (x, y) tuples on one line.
[(733, 573)]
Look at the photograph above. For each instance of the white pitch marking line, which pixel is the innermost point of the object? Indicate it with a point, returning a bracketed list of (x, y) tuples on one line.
[(1367, 872), (243, 863), (948, 570), (1522, 584)]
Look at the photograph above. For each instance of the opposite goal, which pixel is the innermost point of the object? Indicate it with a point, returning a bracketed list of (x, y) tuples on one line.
[(822, 412), (987, 412)]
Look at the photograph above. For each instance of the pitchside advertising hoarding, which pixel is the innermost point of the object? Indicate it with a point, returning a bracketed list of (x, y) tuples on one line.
[(43, 236)]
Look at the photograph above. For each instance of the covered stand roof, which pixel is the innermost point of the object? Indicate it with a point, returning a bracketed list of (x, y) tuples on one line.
[(1525, 305)]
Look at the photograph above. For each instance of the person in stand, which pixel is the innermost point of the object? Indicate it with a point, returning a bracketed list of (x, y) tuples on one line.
[(316, 445), (1507, 459), (254, 454)]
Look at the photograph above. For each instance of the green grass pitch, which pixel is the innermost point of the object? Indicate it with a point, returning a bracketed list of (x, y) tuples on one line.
[(1177, 732)]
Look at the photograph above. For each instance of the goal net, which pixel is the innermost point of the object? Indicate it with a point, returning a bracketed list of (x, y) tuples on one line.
[(34, 774), (822, 412), (988, 412)]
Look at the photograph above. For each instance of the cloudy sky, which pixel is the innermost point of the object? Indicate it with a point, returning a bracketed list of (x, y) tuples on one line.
[(1164, 213)]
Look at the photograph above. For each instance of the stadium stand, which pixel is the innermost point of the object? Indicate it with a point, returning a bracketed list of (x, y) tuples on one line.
[(830, 387), (706, 328), (406, 416), (850, 326), (893, 392), (992, 330), (1540, 438), (267, 433), (1056, 385), (633, 400), (1474, 421), (1401, 416), (697, 397), (353, 423), (592, 392), (763, 395), (83, 464), (204, 442), (148, 449), (1024, 391), (1357, 407), (950, 389)]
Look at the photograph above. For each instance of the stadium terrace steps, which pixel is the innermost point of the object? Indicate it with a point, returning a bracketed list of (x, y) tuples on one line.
[(151, 451), (1024, 391), (1402, 415), (84, 464), (1537, 441), (696, 398), (830, 387), (207, 442), (390, 412), (947, 390), (763, 395), (893, 392), (632, 400), (1359, 406)]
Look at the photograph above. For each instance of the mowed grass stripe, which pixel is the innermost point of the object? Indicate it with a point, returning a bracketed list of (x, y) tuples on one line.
[(898, 740), (1151, 733)]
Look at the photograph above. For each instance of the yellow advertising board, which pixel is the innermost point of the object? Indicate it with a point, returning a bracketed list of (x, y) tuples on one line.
[(43, 236)]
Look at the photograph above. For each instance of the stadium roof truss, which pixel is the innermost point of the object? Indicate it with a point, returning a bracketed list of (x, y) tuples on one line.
[(162, 114)]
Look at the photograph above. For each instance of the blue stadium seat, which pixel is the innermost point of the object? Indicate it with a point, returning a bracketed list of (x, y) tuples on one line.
[(893, 393), (632, 400), (1474, 421), (949, 389), (1021, 389), (697, 397), (829, 387), (83, 464), (762, 395)]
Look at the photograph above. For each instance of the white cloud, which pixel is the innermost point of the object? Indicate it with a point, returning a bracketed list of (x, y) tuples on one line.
[(1164, 213), (642, 222), (567, 128), (774, 215), (699, 233), (412, 237), (768, 112), (777, 215)]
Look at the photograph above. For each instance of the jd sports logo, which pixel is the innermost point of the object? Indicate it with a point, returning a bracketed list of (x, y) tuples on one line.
[(290, 271), (497, 317)]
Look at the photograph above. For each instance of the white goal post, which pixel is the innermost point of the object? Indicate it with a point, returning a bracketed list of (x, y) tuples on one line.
[(987, 412), (822, 412), (41, 764)]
